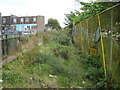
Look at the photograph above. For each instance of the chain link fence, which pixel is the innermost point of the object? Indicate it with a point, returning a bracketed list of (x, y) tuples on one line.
[(100, 35)]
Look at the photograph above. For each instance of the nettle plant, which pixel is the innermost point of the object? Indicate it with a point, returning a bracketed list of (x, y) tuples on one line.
[(61, 38), (94, 70), (60, 50)]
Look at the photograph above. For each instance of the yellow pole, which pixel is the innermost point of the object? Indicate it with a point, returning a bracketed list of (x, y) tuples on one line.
[(81, 36), (103, 53), (88, 35), (73, 30)]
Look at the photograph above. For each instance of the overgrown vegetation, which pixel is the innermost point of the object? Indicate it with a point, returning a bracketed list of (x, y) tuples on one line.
[(24, 39), (88, 10), (94, 70), (55, 63)]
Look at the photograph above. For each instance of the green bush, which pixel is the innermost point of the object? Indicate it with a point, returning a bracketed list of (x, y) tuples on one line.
[(57, 63), (61, 38), (93, 61), (94, 73), (65, 82), (12, 77), (60, 50), (30, 69), (24, 39), (41, 58), (46, 37), (94, 70)]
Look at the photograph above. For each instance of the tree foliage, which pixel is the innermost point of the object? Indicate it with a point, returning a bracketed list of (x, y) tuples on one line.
[(53, 23), (87, 10)]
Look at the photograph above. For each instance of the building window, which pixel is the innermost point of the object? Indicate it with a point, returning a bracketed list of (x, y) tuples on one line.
[(4, 20), (34, 19), (14, 20), (28, 27), (32, 27), (26, 19), (22, 20)]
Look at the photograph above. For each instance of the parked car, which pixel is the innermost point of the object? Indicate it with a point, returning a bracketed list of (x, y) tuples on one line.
[(10, 32), (25, 32)]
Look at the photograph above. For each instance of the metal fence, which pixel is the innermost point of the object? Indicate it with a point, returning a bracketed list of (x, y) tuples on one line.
[(100, 35), (9, 43)]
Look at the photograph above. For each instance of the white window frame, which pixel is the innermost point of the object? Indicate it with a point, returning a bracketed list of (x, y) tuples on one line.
[(4, 20), (14, 20), (34, 19), (21, 19), (26, 19)]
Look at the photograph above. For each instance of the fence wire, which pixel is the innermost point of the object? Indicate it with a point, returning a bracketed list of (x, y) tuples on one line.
[(88, 34), (9, 45)]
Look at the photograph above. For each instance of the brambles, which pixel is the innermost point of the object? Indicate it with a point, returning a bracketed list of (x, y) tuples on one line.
[(12, 77), (55, 57), (24, 39), (60, 50), (94, 70), (61, 38)]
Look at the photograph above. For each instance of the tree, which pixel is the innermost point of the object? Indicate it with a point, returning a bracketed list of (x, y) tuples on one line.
[(88, 10), (53, 23)]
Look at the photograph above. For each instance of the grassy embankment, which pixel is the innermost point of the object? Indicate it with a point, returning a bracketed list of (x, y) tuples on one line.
[(53, 62)]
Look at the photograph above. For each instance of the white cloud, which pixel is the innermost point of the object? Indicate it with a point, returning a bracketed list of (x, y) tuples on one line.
[(48, 8)]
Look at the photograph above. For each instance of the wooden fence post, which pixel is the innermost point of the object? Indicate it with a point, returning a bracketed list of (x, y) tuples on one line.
[(0, 37)]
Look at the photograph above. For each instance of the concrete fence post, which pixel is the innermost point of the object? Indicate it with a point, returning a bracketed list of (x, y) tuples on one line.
[(0, 37)]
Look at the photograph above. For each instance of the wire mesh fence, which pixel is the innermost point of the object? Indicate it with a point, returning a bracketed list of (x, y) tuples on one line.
[(9, 44), (100, 35)]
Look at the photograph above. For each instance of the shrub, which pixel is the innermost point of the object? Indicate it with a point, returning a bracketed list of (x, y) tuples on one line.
[(60, 50), (57, 63), (93, 61), (24, 39), (94, 70), (41, 58), (12, 77), (46, 38), (61, 38)]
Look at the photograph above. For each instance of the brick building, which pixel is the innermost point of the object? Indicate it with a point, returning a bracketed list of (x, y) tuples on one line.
[(22, 23)]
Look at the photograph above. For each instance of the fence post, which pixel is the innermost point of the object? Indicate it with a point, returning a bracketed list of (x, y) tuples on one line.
[(81, 36), (0, 37), (88, 35), (111, 39), (102, 47)]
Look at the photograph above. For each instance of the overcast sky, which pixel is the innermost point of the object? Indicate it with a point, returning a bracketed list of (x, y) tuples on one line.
[(48, 8)]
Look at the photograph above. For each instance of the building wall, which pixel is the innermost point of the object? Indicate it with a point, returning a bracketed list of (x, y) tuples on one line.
[(40, 21), (24, 20), (8, 20), (24, 27), (14, 22)]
